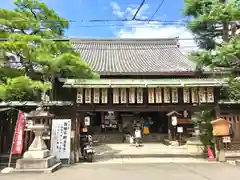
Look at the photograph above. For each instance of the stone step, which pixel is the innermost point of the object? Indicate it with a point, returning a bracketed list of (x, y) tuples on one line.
[(43, 170), (28, 163)]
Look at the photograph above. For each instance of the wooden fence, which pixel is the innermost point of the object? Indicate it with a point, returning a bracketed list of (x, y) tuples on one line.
[(234, 119)]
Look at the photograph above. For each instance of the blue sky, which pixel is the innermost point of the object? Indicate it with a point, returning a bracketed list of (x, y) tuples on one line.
[(104, 9), (82, 11)]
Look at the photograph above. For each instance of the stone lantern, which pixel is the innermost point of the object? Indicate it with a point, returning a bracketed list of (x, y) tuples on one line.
[(38, 157)]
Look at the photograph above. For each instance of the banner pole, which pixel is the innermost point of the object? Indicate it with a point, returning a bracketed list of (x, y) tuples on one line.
[(10, 156)]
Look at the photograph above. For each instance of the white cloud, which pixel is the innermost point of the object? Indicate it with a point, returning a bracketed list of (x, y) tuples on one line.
[(116, 9), (152, 29)]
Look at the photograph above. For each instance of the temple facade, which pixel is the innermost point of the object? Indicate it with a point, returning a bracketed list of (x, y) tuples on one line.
[(141, 80)]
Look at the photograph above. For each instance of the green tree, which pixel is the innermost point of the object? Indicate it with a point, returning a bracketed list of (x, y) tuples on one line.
[(212, 20), (202, 119), (215, 25), (35, 34)]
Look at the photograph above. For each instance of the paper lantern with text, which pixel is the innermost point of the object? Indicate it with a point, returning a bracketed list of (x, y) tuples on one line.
[(220, 127)]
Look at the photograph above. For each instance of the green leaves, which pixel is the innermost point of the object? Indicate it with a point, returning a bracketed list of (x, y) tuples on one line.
[(202, 120), (30, 30), (208, 19), (21, 88), (215, 30)]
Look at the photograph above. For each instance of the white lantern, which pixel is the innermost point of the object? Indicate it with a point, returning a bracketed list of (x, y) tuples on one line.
[(174, 120)]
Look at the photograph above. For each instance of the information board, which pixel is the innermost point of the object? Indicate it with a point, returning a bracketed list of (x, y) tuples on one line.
[(61, 138)]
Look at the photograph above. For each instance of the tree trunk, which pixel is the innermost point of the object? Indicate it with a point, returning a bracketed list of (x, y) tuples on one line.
[(225, 24)]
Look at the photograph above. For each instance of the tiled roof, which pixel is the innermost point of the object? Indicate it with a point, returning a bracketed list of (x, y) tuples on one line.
[(133, 56)]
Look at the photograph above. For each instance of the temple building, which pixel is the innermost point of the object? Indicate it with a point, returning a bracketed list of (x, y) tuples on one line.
[(141, 80)]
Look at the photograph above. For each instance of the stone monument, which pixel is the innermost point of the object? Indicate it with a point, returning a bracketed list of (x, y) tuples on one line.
[(38, 157)]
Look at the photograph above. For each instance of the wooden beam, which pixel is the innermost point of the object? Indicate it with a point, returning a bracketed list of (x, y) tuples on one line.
[(141, 108)]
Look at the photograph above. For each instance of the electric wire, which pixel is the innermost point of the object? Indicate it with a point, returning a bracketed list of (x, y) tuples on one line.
[(159, 6), (140, 6)]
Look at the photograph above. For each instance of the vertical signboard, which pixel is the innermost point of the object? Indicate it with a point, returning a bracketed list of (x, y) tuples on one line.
[(88, 96), (202, 95), (158, 94), (150, 95), (139, 95), (194, 92), (104, 96), (167, 97), (123, 95), (61, 138), (186, 95), (79, 95), (115, 96), (131, 95), (174, 95), (210, 95), (96, 94)]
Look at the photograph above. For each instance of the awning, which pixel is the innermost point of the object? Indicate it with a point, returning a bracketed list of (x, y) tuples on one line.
[(142, 83), (5, 109), (33, 103)]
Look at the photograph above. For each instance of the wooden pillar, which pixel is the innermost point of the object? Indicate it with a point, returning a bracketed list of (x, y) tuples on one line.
[(102, 121), (169, 129)]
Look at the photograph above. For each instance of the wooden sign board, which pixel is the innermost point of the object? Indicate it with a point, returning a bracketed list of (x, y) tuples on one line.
[(184, 121), (220, 127)]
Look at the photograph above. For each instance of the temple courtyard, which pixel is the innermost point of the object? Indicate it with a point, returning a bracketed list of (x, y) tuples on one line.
[(166, 171)]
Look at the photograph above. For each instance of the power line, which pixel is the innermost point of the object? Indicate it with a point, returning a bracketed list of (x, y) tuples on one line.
[(161, 3), (138, 9), (68, 39), (126, 20), (135, 48)]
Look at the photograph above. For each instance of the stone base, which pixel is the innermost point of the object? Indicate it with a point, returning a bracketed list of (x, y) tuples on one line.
[(36, 163), (32, 170), (36, 154), (195, 146)]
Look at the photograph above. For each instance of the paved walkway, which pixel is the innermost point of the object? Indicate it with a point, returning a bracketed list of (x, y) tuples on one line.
[(167, 171), (157, 148), (148, 153)]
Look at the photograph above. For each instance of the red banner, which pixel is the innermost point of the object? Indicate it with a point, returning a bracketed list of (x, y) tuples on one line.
[(19, 132)]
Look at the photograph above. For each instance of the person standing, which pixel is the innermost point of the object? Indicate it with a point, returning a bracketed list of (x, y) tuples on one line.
[(146, 128), (138, 136)]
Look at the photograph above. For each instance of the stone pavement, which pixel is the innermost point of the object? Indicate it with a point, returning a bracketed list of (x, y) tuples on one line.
[(147, 148), (166, 171), (148, 153)]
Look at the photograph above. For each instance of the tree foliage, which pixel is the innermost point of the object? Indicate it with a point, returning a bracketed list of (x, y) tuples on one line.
[(209, 18), (215, 26), (32, 29), (202, 119)]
